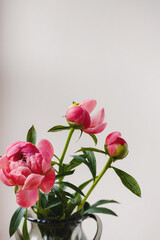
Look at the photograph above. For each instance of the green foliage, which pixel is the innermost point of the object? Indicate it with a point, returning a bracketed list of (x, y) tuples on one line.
[(88, 158), (83, 185), (128, 181), (25, 229), (94, 138), (64, 174), (72, 186), (96, 209), (15, 220), (91, 163), (100, 202), (75, 162), (59, 128), (61, 195), (31, 136), (100, 210), (15, 189), (91, 149)]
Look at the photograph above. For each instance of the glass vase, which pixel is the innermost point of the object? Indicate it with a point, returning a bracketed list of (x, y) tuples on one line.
[(60, 230)]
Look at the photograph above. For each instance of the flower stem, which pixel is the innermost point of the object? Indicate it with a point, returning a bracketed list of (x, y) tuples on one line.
[(39, 202), (95, 183), (65, 147)]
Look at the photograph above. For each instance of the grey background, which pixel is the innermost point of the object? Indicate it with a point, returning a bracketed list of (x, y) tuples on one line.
[(54, 52)]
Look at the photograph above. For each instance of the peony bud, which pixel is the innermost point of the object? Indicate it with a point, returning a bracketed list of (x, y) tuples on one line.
[(116, 147), (78, 116)]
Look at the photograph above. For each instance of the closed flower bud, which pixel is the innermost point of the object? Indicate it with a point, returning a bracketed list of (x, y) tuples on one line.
[(78, 116), (116, 147)]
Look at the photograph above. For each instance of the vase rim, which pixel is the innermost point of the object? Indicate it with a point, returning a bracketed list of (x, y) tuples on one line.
[(36, 220)]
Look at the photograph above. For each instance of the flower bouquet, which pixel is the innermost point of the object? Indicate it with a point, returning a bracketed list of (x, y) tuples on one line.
[(38, 174)]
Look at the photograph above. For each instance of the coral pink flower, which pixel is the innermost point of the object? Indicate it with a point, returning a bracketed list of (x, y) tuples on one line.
[(78, 116), (116, 146), (28, 167)]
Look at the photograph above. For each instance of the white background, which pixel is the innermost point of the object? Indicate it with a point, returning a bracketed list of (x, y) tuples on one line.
[(54, 52)]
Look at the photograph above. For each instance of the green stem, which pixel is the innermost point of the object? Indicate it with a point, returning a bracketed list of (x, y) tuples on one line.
[(95, 183), (38, 203), (66, 146), (64, 152)]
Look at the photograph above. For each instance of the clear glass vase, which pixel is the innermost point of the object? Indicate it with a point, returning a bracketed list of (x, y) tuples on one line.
[(60, 230)]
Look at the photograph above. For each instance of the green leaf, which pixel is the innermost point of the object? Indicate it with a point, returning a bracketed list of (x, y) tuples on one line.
[(75, 162), (24, 229), (100, 210), (72, 186), (91, 149), (128, 181), (88, 159), (64, 174), (94, 138), (43, 199), (16, 189), (80, 135), (15, 220), (69, 194), (56, 157), (59, 128), (86, 206), (92, 163), (103, 202), (83, 185), (52, 203), (72, 204), (60, 195), (54, 163), (31, 136)]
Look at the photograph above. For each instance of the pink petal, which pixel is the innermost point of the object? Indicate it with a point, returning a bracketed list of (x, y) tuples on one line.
[(5, 180), (20, 149), (27, 198), (75, 114), (14, 165), (14, 149), (46, 165), (121, 141), (29, 149), (17, 177), (46, 149), (78, 115), (4, 162), (12, 146), (19, 174), (97, 118), (35, 163), (33, 181), (96, 129), (48, 182), (112, 137), (112, 149), (88, 104)]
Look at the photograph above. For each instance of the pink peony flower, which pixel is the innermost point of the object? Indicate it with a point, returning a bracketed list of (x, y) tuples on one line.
[(116, 146), (28, 167), (78, 116)]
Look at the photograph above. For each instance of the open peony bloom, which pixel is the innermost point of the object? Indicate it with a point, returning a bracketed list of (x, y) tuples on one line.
[(116, 146), (28, 167), (78, 116)]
